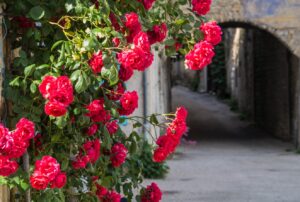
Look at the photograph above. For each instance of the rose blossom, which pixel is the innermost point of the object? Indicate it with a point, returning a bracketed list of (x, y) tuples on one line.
[(147, 3), (200, 56), (92, 129), (201, 7), (160, 154), (7, 167), (47, 171), (158, 33), (125, 73), (59, 181), (141, 40), (112, 127), (96, 62), (39, 181), (133, 25), (107, 196), (55, 109), (212, 32), (167, 143), (59, 91), (97, 113), (129, 102), (25, 129), (92, 150), (48, 166), (115, 94), (135, 58), (118, 154), (49, 82), (151, 194)]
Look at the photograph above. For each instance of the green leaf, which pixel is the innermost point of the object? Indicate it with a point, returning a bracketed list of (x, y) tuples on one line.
[(24, 185), (61, 122), (153, 119), (75, 75), (37, 13), (3, 180), (33, 88), (56, 44), (137, 125), (170, 42), (107, 141), (114, 76), (29, 70), (15, 82)]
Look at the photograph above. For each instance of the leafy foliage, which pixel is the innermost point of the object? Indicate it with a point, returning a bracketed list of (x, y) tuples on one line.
[(55, 38)]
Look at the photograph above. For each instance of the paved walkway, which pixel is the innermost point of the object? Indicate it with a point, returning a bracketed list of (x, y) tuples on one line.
[(232, 160)]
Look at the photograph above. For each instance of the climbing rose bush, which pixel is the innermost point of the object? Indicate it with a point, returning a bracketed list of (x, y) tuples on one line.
[(64, 137)]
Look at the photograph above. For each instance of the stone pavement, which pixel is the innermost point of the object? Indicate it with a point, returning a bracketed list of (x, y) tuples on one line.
[(232, 160)]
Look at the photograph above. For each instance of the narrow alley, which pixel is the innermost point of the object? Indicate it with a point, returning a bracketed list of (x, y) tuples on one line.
[(232, 160)]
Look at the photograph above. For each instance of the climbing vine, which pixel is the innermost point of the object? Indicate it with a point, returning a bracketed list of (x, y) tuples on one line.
[(67, 96)]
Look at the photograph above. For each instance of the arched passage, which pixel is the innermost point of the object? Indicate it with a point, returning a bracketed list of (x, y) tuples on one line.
[(259, 74)]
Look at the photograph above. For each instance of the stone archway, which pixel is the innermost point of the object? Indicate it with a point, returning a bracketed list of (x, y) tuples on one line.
[(279, 17)]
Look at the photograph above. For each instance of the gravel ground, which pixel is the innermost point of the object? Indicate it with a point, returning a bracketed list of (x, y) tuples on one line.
[(232, 161)]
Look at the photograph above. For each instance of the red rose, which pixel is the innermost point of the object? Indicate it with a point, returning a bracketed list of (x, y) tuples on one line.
[(133, 24), (147, 3), (125, 73), (118, 154), (59, 91), (111, 196), (112, 127), (39, 181), (200, 56), (96, 62), (181, 113), (115, 94), (129, 102), (151, 194), (7, 167), (48, 166), (48, 83), (59, 181), (63, 92), (25, 129), (97, 112), (158, 33), (141, 40), (80, 162), (167, 143), (201, 7), (15, 145), (176, 129), (160, 154), (55, 109), (101, 191), (92, 129), (92, 150), (132, 21), (135, 58), (212, 32)]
